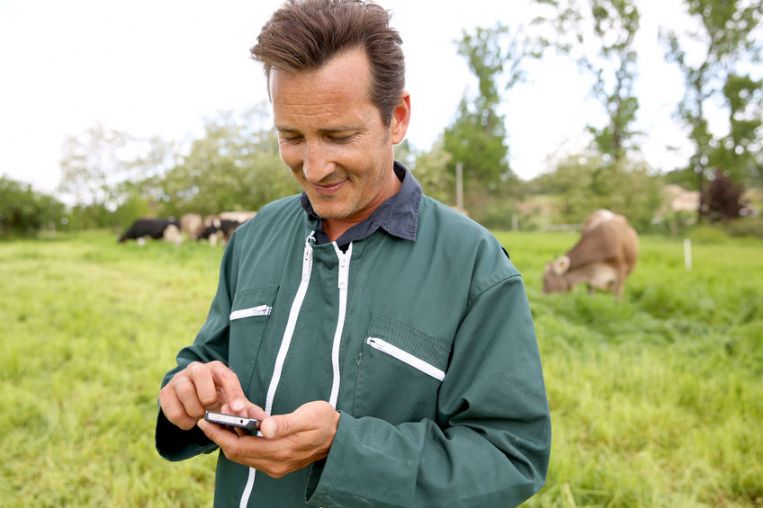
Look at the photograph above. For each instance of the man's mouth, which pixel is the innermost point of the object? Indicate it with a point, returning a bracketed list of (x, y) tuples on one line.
[(328, 189)]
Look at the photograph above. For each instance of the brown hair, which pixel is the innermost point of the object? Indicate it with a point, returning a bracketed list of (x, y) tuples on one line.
[(304, 34)]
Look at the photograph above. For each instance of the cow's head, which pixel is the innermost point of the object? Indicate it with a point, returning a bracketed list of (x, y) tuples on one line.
[(552, 281), (560, 265)]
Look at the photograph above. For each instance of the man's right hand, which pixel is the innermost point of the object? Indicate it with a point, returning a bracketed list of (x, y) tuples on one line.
[(200, 387)]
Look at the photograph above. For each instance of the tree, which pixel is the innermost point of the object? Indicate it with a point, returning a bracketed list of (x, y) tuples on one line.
[(740, 152), (91, 165), (24, 211), (234, 166), (722, 199), (102, 168), (585, 182), (727, 37), (599, 35), (477, 137), (431, 170)]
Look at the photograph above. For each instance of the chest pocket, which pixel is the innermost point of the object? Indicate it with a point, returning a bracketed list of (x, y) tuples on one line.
[(249, 318), (400, 371)]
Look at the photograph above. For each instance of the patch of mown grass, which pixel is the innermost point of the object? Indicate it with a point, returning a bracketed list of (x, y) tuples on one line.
[(656, 400)]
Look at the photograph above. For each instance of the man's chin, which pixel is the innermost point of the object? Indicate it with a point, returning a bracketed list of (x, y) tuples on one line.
[(329, 212)]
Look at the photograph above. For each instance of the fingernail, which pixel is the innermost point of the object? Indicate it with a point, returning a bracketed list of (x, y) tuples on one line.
[(237, 405)]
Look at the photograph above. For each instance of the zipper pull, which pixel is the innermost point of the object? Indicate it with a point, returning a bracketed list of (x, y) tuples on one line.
[(307, 257), (344, 267)]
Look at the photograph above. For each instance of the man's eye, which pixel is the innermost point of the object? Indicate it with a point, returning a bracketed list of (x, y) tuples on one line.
[(342, 139), (294, 139)]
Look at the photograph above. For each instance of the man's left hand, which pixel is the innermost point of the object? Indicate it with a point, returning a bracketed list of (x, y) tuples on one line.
[(285, 443)]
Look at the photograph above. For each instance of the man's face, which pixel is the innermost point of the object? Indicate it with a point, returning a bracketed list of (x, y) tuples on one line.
[(333, 138)]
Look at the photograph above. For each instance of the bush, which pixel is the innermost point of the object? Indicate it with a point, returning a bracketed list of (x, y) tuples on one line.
[(26, 212), (708, 234), (747, 226)]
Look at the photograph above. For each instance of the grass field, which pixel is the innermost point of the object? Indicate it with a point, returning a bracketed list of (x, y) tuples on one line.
[(656, 400)]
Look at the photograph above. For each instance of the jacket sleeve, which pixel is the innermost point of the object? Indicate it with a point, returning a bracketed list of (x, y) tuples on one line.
[(492, 445), (210, 344)]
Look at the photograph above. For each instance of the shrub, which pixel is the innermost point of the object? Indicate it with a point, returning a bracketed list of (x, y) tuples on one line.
[(708, 234), (24, 211), (746, 226)]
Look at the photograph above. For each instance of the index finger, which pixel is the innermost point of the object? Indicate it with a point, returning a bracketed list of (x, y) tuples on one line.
[(226, 379)]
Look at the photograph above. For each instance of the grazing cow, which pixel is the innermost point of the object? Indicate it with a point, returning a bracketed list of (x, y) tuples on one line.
[(603, 257), (148, 228), (219, 228), (191, 224), (172, 234)]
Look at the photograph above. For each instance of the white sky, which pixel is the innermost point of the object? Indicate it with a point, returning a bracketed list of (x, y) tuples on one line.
[(161, 67)]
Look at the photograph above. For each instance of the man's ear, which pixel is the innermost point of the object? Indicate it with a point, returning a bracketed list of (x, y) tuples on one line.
[(401, 117)]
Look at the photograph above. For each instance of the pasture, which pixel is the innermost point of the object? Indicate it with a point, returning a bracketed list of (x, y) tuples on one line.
[(656, 400)]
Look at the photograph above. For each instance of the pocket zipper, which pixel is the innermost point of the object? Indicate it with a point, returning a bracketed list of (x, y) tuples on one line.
[(261, 310), (405, 357)]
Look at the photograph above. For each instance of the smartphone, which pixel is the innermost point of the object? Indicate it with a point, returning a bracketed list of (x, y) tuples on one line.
[(242, 422)]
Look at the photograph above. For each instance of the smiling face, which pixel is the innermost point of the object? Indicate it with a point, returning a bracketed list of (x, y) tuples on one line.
[(333, 138)]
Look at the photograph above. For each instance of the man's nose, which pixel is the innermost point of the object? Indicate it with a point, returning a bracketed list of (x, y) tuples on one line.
[(317, 164)]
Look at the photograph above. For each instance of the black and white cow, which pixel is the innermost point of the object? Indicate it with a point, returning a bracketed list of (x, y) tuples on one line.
[(151, 228)]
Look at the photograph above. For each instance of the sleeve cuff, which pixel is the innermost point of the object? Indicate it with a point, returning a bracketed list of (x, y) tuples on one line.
[(174, 443)]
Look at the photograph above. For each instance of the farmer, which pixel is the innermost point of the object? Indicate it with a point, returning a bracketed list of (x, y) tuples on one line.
[(383, 340)]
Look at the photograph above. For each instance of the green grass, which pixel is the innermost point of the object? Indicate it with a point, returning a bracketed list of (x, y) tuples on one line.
[(656, 400)]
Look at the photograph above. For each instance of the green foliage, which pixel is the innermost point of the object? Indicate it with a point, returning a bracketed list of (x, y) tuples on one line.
[(746, 226), (101, 166), (234, 166), (610, 26), (728, 41), (684, 177), (431, 170), (656, 400), (24, 211), (90, 217), (740, 153), (585, 183), (115, 178), (707, 234), (477, 137)]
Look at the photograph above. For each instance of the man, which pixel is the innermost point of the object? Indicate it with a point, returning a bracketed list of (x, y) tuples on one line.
[(383, 340)]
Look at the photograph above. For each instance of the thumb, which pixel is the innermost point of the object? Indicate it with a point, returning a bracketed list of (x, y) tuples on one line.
[(274, 427)]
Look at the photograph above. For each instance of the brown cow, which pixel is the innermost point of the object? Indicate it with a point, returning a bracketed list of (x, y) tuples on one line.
[(603, 257)]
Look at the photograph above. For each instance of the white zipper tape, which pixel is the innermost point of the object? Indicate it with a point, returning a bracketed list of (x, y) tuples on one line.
[(342, 283), (405, 357), (260, 310), (296, 306)]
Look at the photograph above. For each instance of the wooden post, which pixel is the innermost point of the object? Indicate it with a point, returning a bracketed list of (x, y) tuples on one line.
[(687, 254)]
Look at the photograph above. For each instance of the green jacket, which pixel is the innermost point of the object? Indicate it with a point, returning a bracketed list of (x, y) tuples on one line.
[(425, 347)]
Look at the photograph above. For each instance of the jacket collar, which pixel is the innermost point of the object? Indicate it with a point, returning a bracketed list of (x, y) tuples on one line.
[(398, 216)]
